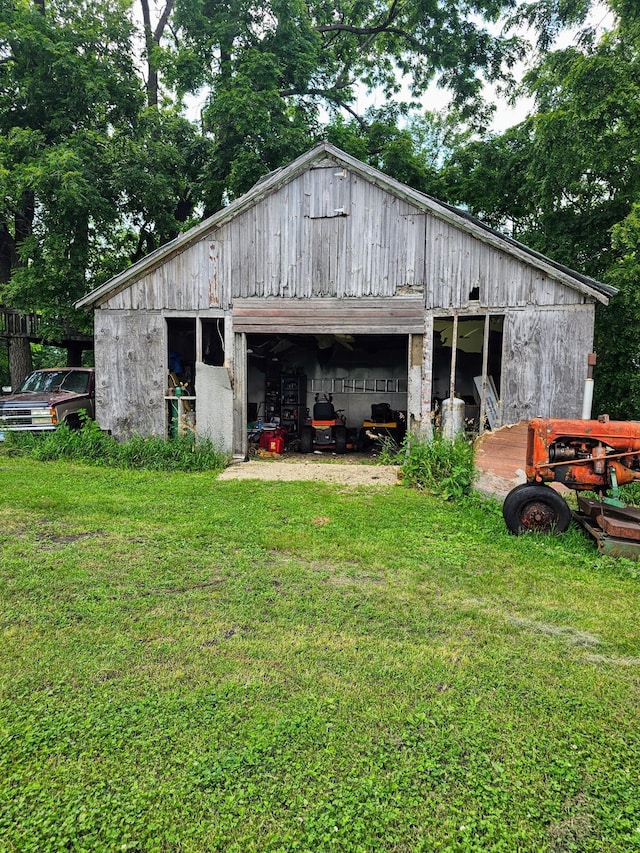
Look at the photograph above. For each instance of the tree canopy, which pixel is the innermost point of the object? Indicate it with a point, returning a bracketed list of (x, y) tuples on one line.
[(566, 181), (90, 177), (277, 71)]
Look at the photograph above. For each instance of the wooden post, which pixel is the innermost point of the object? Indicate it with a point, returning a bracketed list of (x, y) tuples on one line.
[(454, 355)]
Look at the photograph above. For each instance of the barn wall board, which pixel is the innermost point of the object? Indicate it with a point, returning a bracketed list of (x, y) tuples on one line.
[(130, 354), (214, 405), (545, 362)]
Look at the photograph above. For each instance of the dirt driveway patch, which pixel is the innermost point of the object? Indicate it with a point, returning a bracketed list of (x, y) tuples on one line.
[(498, 468), (325, 470)]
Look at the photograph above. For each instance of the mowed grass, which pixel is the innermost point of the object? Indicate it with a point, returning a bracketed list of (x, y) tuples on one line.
[(193, 665)]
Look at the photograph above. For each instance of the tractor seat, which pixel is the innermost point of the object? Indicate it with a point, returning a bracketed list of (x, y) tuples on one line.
[(381, 413), (324, 412)]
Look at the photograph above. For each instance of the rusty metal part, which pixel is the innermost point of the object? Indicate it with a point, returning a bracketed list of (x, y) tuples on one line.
[(620, 521), (594, 455), (583, 455), (616, 529), (538, 516)]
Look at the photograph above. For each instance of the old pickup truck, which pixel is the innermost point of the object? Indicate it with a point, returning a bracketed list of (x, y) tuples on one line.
[(48, 398)]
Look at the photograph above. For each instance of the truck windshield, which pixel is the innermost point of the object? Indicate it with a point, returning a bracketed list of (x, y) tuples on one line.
[(67, 380)]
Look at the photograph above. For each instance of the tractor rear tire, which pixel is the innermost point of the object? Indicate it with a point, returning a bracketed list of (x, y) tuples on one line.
[(306, 440), (341, 439), (534, 508)]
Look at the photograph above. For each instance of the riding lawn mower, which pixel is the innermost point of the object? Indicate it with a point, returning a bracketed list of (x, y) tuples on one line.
[(384, 425), (327, 429)]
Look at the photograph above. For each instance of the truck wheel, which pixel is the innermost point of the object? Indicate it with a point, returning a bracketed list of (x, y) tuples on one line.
[(532, 507), (73, 422), (306, 440)]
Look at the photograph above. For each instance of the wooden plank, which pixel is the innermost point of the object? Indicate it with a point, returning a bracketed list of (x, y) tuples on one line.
[(330, 315), (327, 192), (396, 303), (544, 362), (458, 260), (374, 317), (240, 446), (130, 354), (489, 403)]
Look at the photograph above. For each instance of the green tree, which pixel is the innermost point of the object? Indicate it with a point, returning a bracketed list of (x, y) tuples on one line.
[(94, 171), (617, 330), (410, 151), (566, 180), (66, 80), (277, 71), (159, 163)]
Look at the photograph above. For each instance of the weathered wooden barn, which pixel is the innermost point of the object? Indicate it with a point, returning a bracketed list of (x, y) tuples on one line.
[(330, 277)]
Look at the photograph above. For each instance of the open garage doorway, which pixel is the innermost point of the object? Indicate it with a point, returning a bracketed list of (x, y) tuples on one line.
[(364, 377), (467, 364)]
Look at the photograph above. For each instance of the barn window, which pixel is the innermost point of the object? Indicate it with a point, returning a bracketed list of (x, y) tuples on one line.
[(213, 342), (181, 351), (180, 398), (467, 364)]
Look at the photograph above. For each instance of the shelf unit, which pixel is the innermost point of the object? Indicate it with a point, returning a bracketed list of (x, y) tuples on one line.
[(293, 403), (272, 395)]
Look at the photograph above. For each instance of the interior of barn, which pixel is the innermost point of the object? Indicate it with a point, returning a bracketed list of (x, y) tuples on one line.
[(328, 382), (363, 378)]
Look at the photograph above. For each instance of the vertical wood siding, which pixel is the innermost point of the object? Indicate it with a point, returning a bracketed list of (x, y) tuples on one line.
[(330, 233), (402, 315), (327, 192), (130, 379), (185, 282), (316, 253), (545, 362)]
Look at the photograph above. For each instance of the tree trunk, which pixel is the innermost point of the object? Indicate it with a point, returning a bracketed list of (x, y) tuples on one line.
[(20, 363), (152, 39)]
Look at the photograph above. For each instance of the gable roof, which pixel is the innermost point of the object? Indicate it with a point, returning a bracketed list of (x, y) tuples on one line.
[(314, 157)]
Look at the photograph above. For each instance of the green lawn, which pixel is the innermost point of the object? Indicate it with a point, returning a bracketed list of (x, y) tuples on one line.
[(188, 665)]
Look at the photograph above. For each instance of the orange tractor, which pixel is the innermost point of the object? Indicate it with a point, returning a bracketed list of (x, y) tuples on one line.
[(584, 455)]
